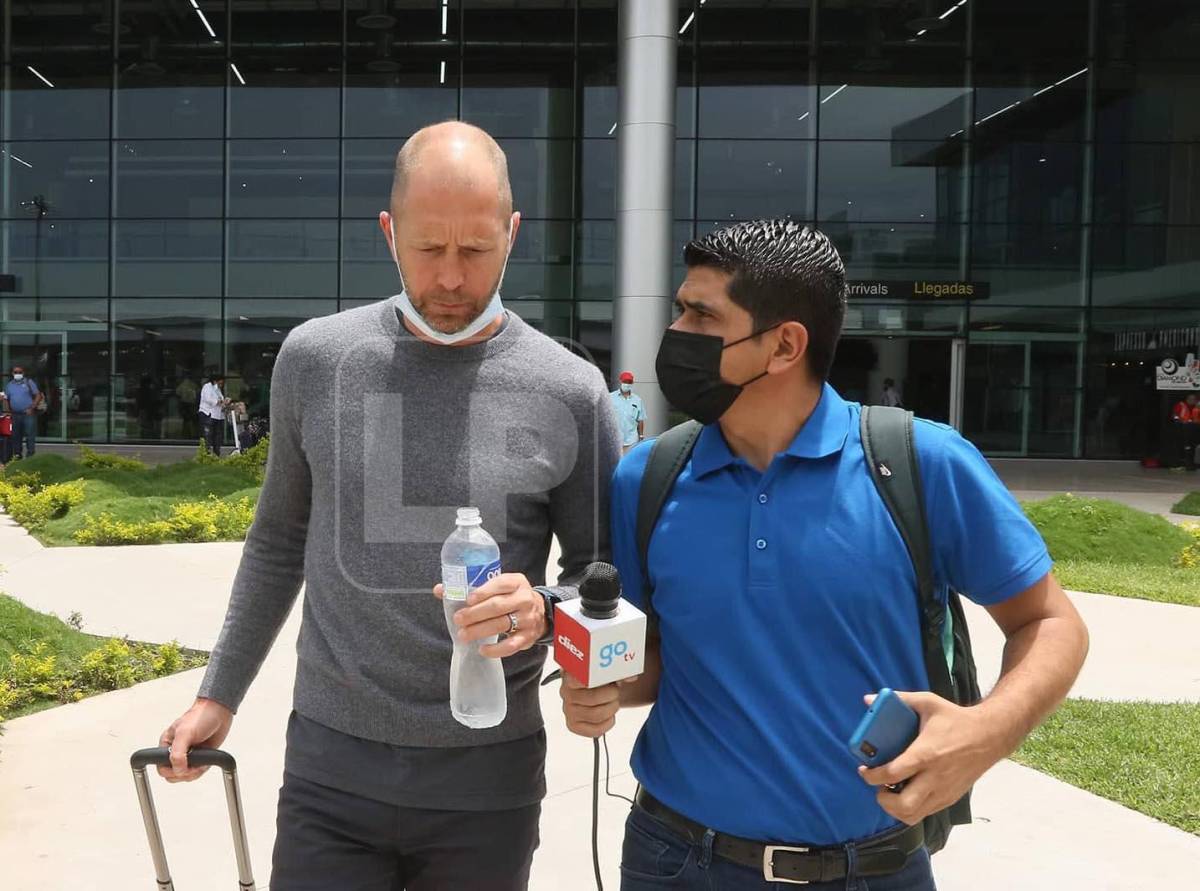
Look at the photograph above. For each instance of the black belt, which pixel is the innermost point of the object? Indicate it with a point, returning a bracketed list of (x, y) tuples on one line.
[(795, 864)]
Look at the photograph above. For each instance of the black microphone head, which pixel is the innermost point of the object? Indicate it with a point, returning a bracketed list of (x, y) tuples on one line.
[(599, 590)]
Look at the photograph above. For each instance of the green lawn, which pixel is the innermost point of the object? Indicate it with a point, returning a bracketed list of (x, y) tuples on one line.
[(1108, 548), (1166, 584), (1189, 504), (1145, 756), (133, 495), (83, 664)]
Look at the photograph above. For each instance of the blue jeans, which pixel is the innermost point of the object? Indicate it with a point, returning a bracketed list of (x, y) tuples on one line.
[(656, 857), (24, 433)]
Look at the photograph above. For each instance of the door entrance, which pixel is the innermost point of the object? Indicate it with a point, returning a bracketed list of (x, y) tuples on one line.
[(69, 364), (1024, 395), (922, 371)]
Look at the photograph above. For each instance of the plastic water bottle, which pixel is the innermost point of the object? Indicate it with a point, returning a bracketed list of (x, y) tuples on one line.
[(470, 558)]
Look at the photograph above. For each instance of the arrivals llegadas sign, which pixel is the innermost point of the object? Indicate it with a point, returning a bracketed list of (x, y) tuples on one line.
[(922, 289)]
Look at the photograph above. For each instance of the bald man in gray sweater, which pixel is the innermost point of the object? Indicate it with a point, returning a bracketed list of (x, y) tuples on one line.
[(384, 419)]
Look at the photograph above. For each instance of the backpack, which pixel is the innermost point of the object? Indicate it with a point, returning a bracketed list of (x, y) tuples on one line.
[(887, 437)]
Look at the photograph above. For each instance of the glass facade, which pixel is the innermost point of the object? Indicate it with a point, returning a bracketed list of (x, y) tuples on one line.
[(183, 182)]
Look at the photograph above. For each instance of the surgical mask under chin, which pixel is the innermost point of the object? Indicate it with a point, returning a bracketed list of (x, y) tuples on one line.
[(485, 318)]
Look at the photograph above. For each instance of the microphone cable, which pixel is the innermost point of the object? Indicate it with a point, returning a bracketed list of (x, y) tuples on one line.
[(557, 675)]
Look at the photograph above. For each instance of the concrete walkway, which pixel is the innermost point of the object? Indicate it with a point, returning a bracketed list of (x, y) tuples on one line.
[(69, 816)]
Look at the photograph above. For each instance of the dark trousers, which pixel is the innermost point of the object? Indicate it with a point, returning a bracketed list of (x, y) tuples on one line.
[(213, 431), (24, 433), (655, 857), (326, 839)]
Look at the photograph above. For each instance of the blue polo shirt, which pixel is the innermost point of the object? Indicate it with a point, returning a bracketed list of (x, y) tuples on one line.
[(20, 394), (784, 597)]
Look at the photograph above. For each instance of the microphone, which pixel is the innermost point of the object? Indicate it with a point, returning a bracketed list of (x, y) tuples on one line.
[(599, 638)]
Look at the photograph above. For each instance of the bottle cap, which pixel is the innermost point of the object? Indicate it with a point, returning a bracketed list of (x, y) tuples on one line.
[(469, 516)]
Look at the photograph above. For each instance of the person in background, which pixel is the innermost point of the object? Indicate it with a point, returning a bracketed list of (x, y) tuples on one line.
[(890, 396), (1185, 419), (212, 412), (22, 398), (631, 414)]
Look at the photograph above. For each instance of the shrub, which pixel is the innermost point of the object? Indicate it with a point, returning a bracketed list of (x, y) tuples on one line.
[(190, 521), (94, 460), (36, 675), (33, 508), (1189, 557), (204, 455), (109, 667), (253, 460)]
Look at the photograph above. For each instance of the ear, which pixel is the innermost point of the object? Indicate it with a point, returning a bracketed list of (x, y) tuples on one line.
[(790, 348), (516, 224)]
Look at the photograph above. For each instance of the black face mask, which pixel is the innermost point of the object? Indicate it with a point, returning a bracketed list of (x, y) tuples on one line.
[(689, 372)]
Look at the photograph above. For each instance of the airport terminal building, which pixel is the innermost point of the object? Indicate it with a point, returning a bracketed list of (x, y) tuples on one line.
[(1014, 186)]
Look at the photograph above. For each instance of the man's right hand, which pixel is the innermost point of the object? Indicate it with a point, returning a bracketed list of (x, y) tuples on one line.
[(591, 713), (204, 725)]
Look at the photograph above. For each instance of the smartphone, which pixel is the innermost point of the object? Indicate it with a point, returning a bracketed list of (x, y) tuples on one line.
[(886, 730)]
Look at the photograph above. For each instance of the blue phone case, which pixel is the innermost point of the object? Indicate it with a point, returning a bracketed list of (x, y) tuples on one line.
[(886, 730)]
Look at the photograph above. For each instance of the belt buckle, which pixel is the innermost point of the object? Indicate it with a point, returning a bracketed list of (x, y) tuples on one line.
[(769, 863)]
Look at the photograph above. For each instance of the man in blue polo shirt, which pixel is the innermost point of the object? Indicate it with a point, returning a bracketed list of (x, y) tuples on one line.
[(785, 595), (23, 397)]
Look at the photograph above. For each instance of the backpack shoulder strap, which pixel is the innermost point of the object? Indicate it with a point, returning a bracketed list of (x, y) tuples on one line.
[(891, 454), (668, 455)]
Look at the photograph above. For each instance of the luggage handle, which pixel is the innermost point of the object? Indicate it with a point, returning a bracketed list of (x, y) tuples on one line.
[(161, 757)]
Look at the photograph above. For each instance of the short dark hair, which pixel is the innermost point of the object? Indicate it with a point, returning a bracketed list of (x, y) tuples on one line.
[(782, 271)]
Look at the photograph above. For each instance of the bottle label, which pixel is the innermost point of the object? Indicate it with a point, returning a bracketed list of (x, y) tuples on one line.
[(459, 581)]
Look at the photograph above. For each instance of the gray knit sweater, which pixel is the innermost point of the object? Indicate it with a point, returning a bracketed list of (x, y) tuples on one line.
[(376, 439)]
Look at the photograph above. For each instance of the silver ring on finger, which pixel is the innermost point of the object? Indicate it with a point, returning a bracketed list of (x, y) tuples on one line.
[(512, 624)]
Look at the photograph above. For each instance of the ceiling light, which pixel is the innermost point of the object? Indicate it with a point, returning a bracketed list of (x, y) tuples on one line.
[(834, 93), (688, 23), (241, 79), (40, 76)]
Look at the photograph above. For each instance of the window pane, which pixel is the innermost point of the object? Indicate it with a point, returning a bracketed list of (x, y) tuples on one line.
[(290, 64), (171, 72), (168, 258), (518, 69), (368, 270), (747, 180), (396, 82), (180, 178), (1030, 265), (58, 258), (369, 165), (898, 252), (898, 181), (1045, 320), (1031, 28), (70, 179), (283, 178), (164, 350), (254, 331), (289, 258), (1134, 30), (1147, 183), (1146, 266), (881, 79), (1033, 100), (1028, 182), (61, 71), (540, 264), (597, 253), (541, 172), (1154, 101)]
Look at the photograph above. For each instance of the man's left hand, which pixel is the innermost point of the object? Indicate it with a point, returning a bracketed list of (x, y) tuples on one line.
[(953, 749), (487, 614)]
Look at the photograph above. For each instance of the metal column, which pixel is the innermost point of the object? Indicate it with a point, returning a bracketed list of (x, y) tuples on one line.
[(647, 31)]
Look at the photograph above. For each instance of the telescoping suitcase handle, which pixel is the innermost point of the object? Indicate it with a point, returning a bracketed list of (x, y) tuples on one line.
[(161, 757)]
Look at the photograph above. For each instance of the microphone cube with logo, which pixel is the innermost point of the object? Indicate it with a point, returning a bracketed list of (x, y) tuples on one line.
[(599, 639)]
